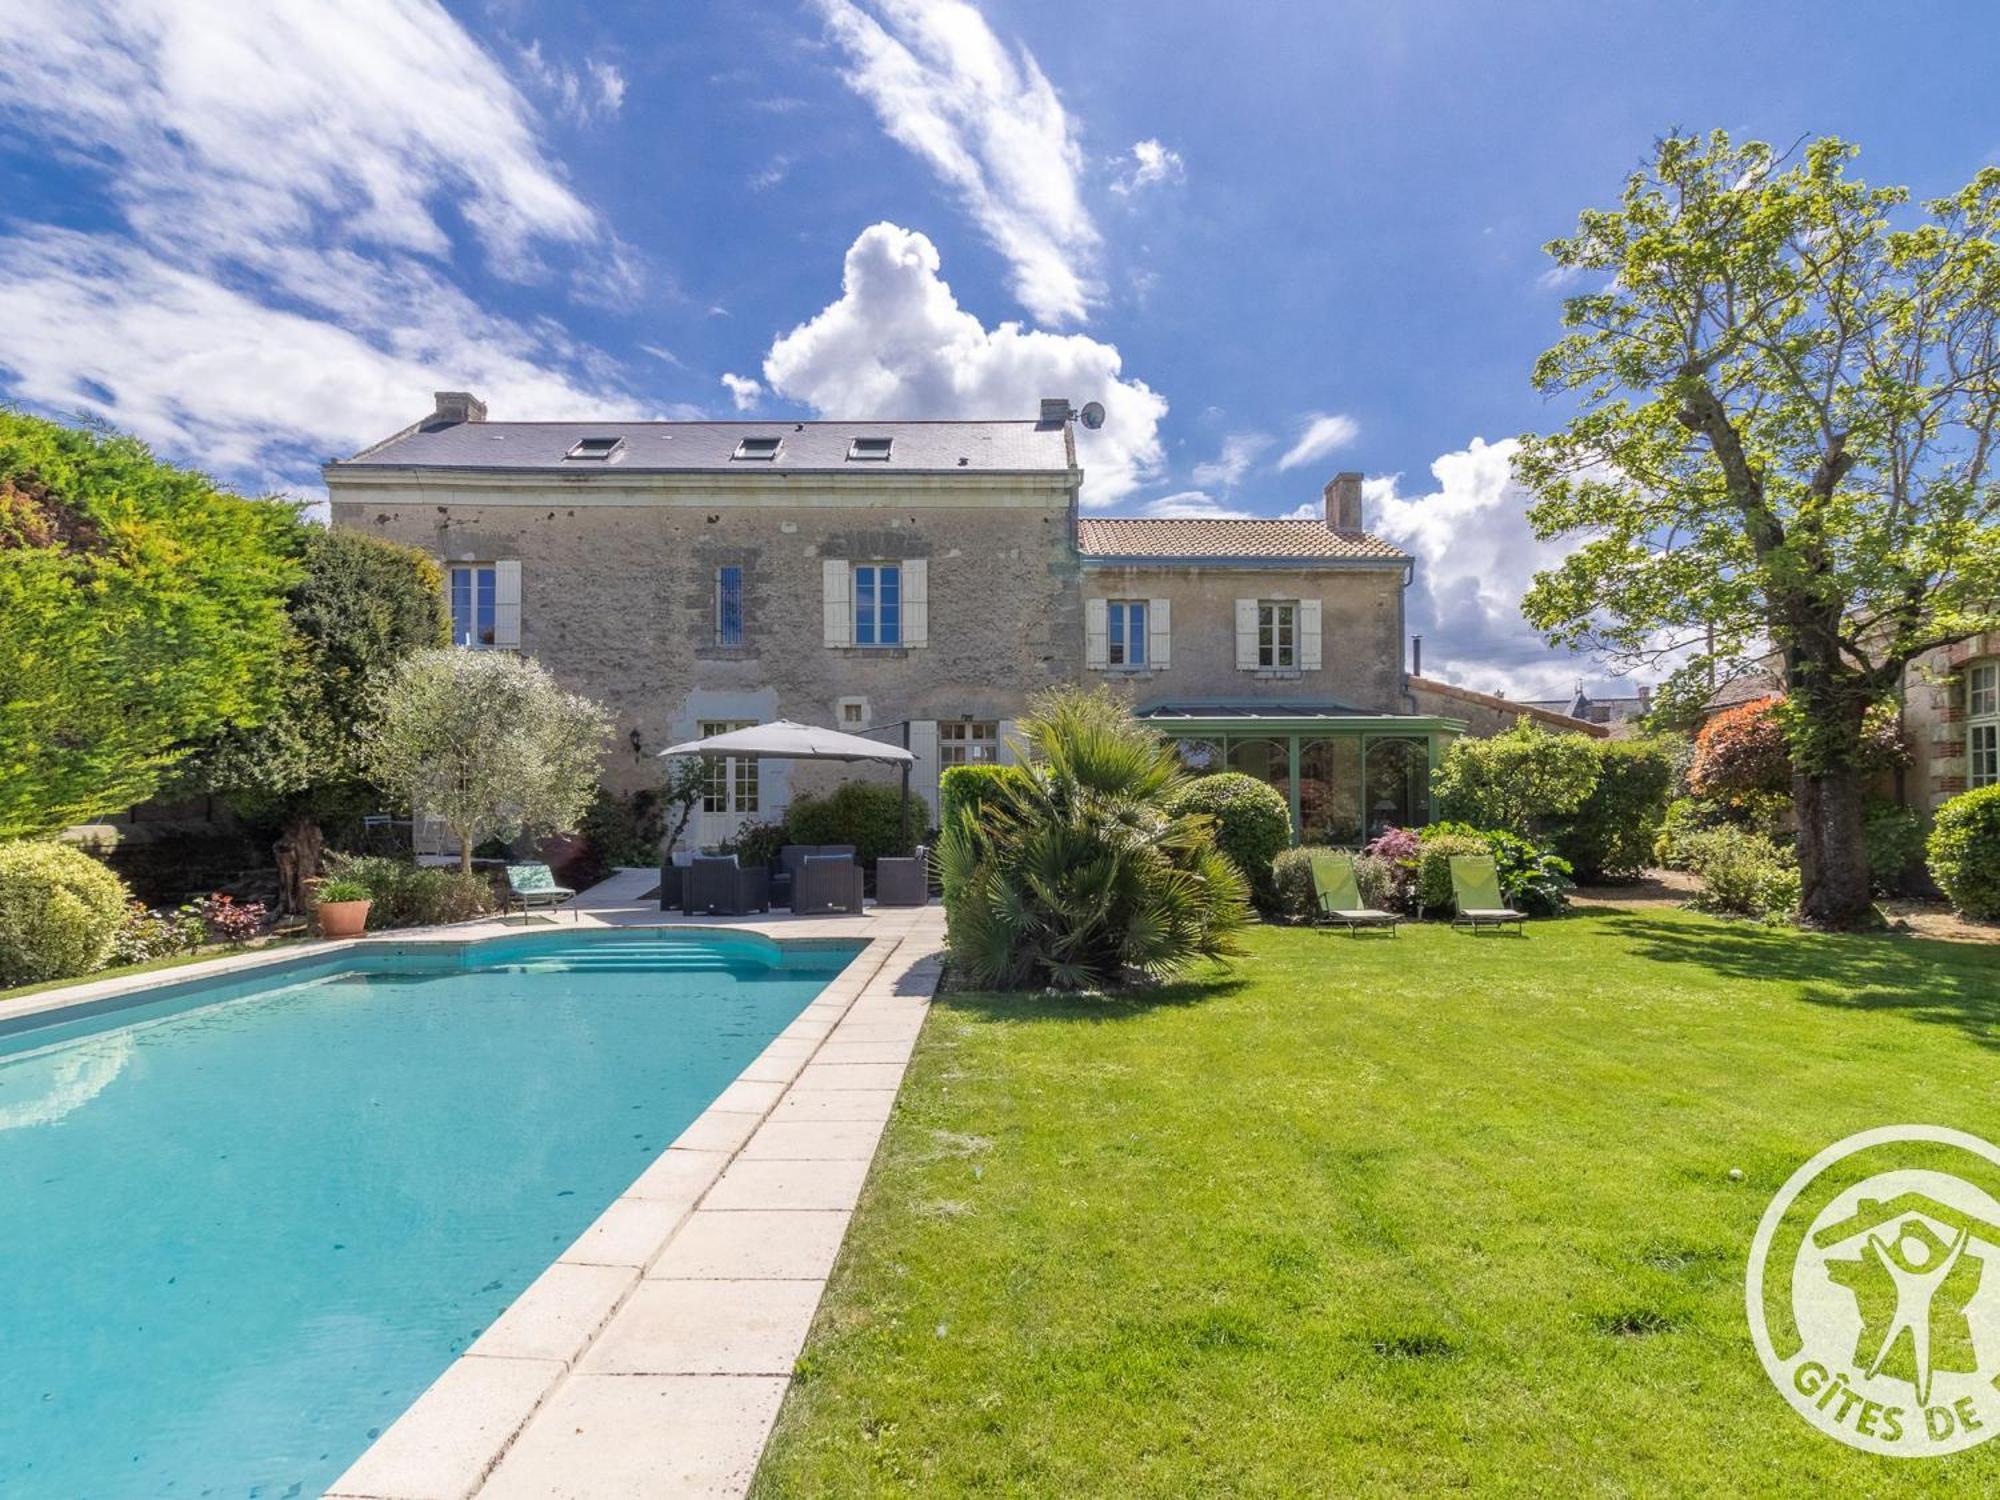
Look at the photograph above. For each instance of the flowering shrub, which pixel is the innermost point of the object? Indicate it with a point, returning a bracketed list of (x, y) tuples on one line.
[(1292, 873), (1744, 750), (1741, 749), (147, 935), (1397, 849), (229, 920)]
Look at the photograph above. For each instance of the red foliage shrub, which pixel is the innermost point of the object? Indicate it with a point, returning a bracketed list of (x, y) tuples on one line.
[(1740, 750)]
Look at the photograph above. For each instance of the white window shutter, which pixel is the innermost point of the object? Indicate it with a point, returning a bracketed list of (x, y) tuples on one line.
[(1159, 633), (916, 602), (1096, 633), (1309, 656), (507, 604), (839, 616), (1246, 635), (924, 774), (1010, 730)]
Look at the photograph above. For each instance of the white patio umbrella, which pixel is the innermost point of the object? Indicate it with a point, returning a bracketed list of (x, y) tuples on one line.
[(784, 740)]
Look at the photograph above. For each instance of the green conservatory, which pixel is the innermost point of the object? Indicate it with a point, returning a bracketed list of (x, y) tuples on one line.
[(1347, 775)]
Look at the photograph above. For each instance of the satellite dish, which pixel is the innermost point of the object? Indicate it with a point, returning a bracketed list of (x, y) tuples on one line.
[(1092, 415)]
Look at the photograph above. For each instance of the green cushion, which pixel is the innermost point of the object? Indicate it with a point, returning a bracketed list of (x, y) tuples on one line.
[(1475, 883), (526, 878), (1334, 883)]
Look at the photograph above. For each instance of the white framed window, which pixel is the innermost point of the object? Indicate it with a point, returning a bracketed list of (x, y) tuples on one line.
[(878, 604), (732, 780), (474, 604), (968, 742), (1278, 634), (1982, 723), (1125, 632), (870, 450), (596, 449), (757, 449), (729, 605)]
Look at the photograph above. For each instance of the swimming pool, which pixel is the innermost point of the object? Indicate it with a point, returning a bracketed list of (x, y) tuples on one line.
[(243, 1224)]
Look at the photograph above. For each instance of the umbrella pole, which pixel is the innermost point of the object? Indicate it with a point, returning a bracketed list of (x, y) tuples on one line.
[(906, 806)]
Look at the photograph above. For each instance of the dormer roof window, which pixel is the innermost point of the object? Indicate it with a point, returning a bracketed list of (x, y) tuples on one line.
[(596, 449), (869, 450), (758, 448)]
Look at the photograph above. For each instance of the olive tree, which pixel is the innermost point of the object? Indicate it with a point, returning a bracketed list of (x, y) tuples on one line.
[(1787, 386), (488, 744)]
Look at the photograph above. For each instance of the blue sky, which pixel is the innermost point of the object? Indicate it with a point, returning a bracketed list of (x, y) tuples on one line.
[(1276, 240)]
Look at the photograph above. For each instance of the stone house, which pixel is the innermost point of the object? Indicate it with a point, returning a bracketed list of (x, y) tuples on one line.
[(913, 581)]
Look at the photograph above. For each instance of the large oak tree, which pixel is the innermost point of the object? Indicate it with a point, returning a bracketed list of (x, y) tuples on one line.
[(1787, 389)]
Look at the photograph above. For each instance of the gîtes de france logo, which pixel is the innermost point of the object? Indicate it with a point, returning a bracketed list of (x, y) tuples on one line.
[(1869, 1295)]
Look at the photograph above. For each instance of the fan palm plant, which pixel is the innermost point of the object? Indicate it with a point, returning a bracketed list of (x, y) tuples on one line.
[(1076, 875)]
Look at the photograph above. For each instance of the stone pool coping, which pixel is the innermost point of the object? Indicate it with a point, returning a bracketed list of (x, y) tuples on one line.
[(651, 1358)]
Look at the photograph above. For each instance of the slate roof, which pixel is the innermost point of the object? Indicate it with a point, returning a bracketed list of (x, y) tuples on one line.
[(1111, 538), (1018, 447)]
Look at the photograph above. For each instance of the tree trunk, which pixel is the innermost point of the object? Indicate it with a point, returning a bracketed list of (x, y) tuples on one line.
[(1833, 851), (464, 853), (298, 852)]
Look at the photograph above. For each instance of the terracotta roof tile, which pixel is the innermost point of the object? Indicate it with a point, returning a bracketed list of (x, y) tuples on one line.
[(1288, 541)]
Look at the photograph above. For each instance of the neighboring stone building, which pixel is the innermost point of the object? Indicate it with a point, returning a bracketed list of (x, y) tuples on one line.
[(1951, 713), (1619, 713), (917, 581)]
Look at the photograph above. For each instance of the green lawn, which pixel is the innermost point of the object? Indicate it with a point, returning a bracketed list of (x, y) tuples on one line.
[(1373, 1216)]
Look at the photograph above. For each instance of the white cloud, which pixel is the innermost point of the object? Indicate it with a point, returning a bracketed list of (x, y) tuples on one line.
[(1323, 432), (594, 91), (742, 390), (771, 175), (1191, 505), (897, 344), (1239, 451), (278, 288), (197, 368), (1151, 163), (230, 120), (1476, 557), (989, 123)]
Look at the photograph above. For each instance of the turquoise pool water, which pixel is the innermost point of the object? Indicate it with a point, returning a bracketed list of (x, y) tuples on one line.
[(242, 1226)]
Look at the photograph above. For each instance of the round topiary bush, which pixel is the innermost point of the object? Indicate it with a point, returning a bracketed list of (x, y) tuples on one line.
[(1253, 826), (1964, 852), (59, 912)]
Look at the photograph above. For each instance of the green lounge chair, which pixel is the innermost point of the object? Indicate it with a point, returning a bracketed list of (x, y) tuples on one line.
[(1340, 896), (1475, 888), (529, 886)]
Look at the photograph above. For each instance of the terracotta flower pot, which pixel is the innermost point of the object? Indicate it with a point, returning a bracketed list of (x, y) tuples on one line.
[(342, 919)]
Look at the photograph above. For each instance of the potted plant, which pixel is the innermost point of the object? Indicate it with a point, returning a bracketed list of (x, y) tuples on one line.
[(342, 903)]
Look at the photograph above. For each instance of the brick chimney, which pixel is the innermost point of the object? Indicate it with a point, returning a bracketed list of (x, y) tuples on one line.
[(454, 407), (1343, 503)]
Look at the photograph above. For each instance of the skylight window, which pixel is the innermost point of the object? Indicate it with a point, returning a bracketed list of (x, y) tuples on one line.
[(596, 449), (765, 448), (870, 449)]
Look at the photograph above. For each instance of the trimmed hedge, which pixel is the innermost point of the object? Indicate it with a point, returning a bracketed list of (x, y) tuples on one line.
[(1291, 875), (1253, 826), (866, 814), (1611, 836), (1964, 852), (60, 911), (970, 789)]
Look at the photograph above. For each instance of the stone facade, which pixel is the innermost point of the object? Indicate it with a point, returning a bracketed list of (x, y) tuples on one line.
[(1941, 716), (607, 567), (1360, 648), (617, 598)]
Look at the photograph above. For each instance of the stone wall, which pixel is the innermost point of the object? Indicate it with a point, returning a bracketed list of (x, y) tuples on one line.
[(617, 599), (1485, 715), (1934, 710), (1361, 641)]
